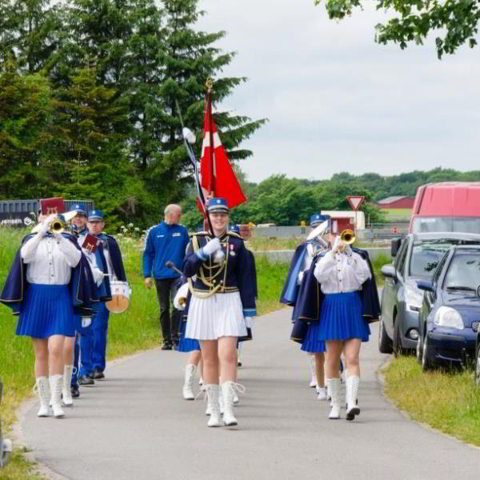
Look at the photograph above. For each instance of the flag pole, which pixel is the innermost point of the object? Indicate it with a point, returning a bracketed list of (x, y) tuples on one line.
[(209, 87)]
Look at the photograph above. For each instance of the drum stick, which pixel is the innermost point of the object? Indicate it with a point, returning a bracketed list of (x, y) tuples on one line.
[(171, 265)]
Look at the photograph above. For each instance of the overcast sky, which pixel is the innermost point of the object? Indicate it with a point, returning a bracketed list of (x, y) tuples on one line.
[(337, 101)]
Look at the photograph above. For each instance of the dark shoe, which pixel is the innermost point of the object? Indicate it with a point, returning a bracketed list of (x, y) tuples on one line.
[(98, 374), (167, 346), (75, 391), (86, 381)]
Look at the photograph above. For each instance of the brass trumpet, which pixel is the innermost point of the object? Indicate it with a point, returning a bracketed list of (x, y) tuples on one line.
[(58, 224), (347, 236)]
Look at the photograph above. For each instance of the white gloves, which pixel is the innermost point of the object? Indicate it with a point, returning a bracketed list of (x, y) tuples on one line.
[(212, 246), (45, 225), (336, 244)]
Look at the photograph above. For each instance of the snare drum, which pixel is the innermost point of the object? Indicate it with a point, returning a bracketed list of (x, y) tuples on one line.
[(121, 293)]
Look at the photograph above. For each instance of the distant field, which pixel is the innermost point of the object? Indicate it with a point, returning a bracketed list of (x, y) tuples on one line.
[(399, 214)]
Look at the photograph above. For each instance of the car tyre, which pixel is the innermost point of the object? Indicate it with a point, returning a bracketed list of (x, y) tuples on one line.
[(397, 339), (427, 364), (384, 341)]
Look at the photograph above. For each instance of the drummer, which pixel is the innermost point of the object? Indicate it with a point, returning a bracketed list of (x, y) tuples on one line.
[(116, 271)]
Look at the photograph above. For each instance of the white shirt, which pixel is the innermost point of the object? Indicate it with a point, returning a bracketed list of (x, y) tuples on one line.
[(341, 272), (49, 259)]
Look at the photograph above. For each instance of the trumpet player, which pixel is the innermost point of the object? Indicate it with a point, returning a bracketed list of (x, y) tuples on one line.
[(41, 287)]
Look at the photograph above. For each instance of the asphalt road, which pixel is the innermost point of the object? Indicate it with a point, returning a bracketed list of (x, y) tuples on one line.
[(135, 426)]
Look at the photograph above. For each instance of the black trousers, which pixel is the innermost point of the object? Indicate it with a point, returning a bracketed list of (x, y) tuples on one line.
[(169, 316)]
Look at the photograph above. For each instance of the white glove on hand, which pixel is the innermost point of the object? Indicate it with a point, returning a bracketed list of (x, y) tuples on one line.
[(45, 225), (336, 244), (212, 246)]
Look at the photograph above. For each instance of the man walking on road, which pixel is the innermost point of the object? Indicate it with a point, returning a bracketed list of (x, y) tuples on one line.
[(165, 242)]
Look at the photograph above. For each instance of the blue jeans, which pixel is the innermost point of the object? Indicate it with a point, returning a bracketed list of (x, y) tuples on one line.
[(100, 333)]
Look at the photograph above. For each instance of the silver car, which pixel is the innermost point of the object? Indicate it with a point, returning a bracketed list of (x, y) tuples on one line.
[(415, 258)]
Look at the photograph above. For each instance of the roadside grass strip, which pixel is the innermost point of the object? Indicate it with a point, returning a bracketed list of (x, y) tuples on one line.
[(446, 401), (135, 330)]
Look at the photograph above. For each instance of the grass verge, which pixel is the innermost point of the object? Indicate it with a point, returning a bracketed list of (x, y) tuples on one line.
[(137, 329), (449, 402)]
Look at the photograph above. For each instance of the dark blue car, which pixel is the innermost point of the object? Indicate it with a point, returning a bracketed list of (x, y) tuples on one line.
[(450, 313)]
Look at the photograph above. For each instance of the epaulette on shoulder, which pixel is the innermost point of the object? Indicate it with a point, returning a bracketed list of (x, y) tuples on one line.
[(234, 234), (198, 234)]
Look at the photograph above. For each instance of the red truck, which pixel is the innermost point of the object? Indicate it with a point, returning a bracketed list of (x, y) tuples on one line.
[(447, 207)]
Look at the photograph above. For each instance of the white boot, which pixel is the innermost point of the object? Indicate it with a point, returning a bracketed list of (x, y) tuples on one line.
[(215, 419), (313, 372), (221, 402), (227, 393), (351, 396), (190, 370), (322, 393), (43, 390), (334, 386), (66, 391), (56, 386)]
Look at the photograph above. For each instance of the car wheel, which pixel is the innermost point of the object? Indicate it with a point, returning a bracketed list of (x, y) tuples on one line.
[(384, 342), (477, 368), (397, 340), (426, 362)]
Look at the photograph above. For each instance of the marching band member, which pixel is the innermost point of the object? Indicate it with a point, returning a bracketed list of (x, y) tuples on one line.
[(301, 262), (223, 296), (47, 281), (109, 259)]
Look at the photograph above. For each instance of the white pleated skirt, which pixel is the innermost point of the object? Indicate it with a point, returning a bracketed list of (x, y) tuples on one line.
[(220, 315)]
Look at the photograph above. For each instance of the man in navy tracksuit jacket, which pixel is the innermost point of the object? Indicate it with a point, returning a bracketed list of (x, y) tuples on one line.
[(166, 242)]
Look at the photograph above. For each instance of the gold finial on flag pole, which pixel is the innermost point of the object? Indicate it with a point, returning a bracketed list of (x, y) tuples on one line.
[(209, 84)]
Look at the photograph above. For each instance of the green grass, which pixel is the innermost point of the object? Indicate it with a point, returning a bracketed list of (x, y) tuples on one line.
[(137, 329), (378, 262), (265, 243), (449, 402)]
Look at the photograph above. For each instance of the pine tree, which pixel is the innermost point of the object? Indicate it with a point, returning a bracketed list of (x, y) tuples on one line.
[(26, 134)]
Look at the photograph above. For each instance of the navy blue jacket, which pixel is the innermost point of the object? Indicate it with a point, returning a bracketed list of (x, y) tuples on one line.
[(164, 243), (238, 273), (82, 286)]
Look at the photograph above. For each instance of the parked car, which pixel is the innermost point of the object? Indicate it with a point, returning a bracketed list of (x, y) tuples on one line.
[(415, 258), (477, 360), (450, 314), (446, 207)]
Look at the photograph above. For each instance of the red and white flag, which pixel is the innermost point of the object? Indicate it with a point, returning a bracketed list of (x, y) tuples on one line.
[(217, 175)]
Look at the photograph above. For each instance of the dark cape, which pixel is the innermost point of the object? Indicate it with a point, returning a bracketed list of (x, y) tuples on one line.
[(82, 286), (291, 287), (310, 299)]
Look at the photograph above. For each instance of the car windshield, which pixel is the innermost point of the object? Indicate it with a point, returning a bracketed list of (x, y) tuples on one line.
[(464, 272), (425, 258), (446, 224)]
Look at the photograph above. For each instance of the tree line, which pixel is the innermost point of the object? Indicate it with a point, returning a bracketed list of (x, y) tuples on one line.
[(289, 201), (90, 94)]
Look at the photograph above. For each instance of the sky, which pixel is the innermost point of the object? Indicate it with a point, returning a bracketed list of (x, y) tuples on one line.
[(337, 101)]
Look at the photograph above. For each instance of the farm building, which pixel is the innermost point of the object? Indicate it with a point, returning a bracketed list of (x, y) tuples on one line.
[(398, 202)]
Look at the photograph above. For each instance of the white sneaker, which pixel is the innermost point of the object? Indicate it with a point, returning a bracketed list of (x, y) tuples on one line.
[(187, 390), (322, 394), (56, 386), (43, 391), (66, 391)]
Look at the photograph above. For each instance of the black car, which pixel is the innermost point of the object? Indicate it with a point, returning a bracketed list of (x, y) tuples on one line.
[(415, 258), (450, 314)]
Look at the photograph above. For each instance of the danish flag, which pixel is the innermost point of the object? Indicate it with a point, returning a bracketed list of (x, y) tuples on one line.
[(218, 178)]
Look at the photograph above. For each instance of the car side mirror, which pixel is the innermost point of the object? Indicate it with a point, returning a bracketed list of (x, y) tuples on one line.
[(389, 271), (395, 247), (425, 285)]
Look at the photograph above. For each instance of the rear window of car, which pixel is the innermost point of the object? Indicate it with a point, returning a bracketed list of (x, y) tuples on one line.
[(446, 224), (425, 257), (463, 272)]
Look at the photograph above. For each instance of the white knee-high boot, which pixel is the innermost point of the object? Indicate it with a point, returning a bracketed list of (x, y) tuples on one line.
[(351, 395), (215, 419), (187, 391), (66, 391), (228, 393), (43, 390), (56, 386), (334, 387), (313, 372)]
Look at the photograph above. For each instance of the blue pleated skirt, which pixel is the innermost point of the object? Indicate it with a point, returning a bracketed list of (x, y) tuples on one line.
[(312, 342), (46, 310), (186, 344), (341, 318)]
